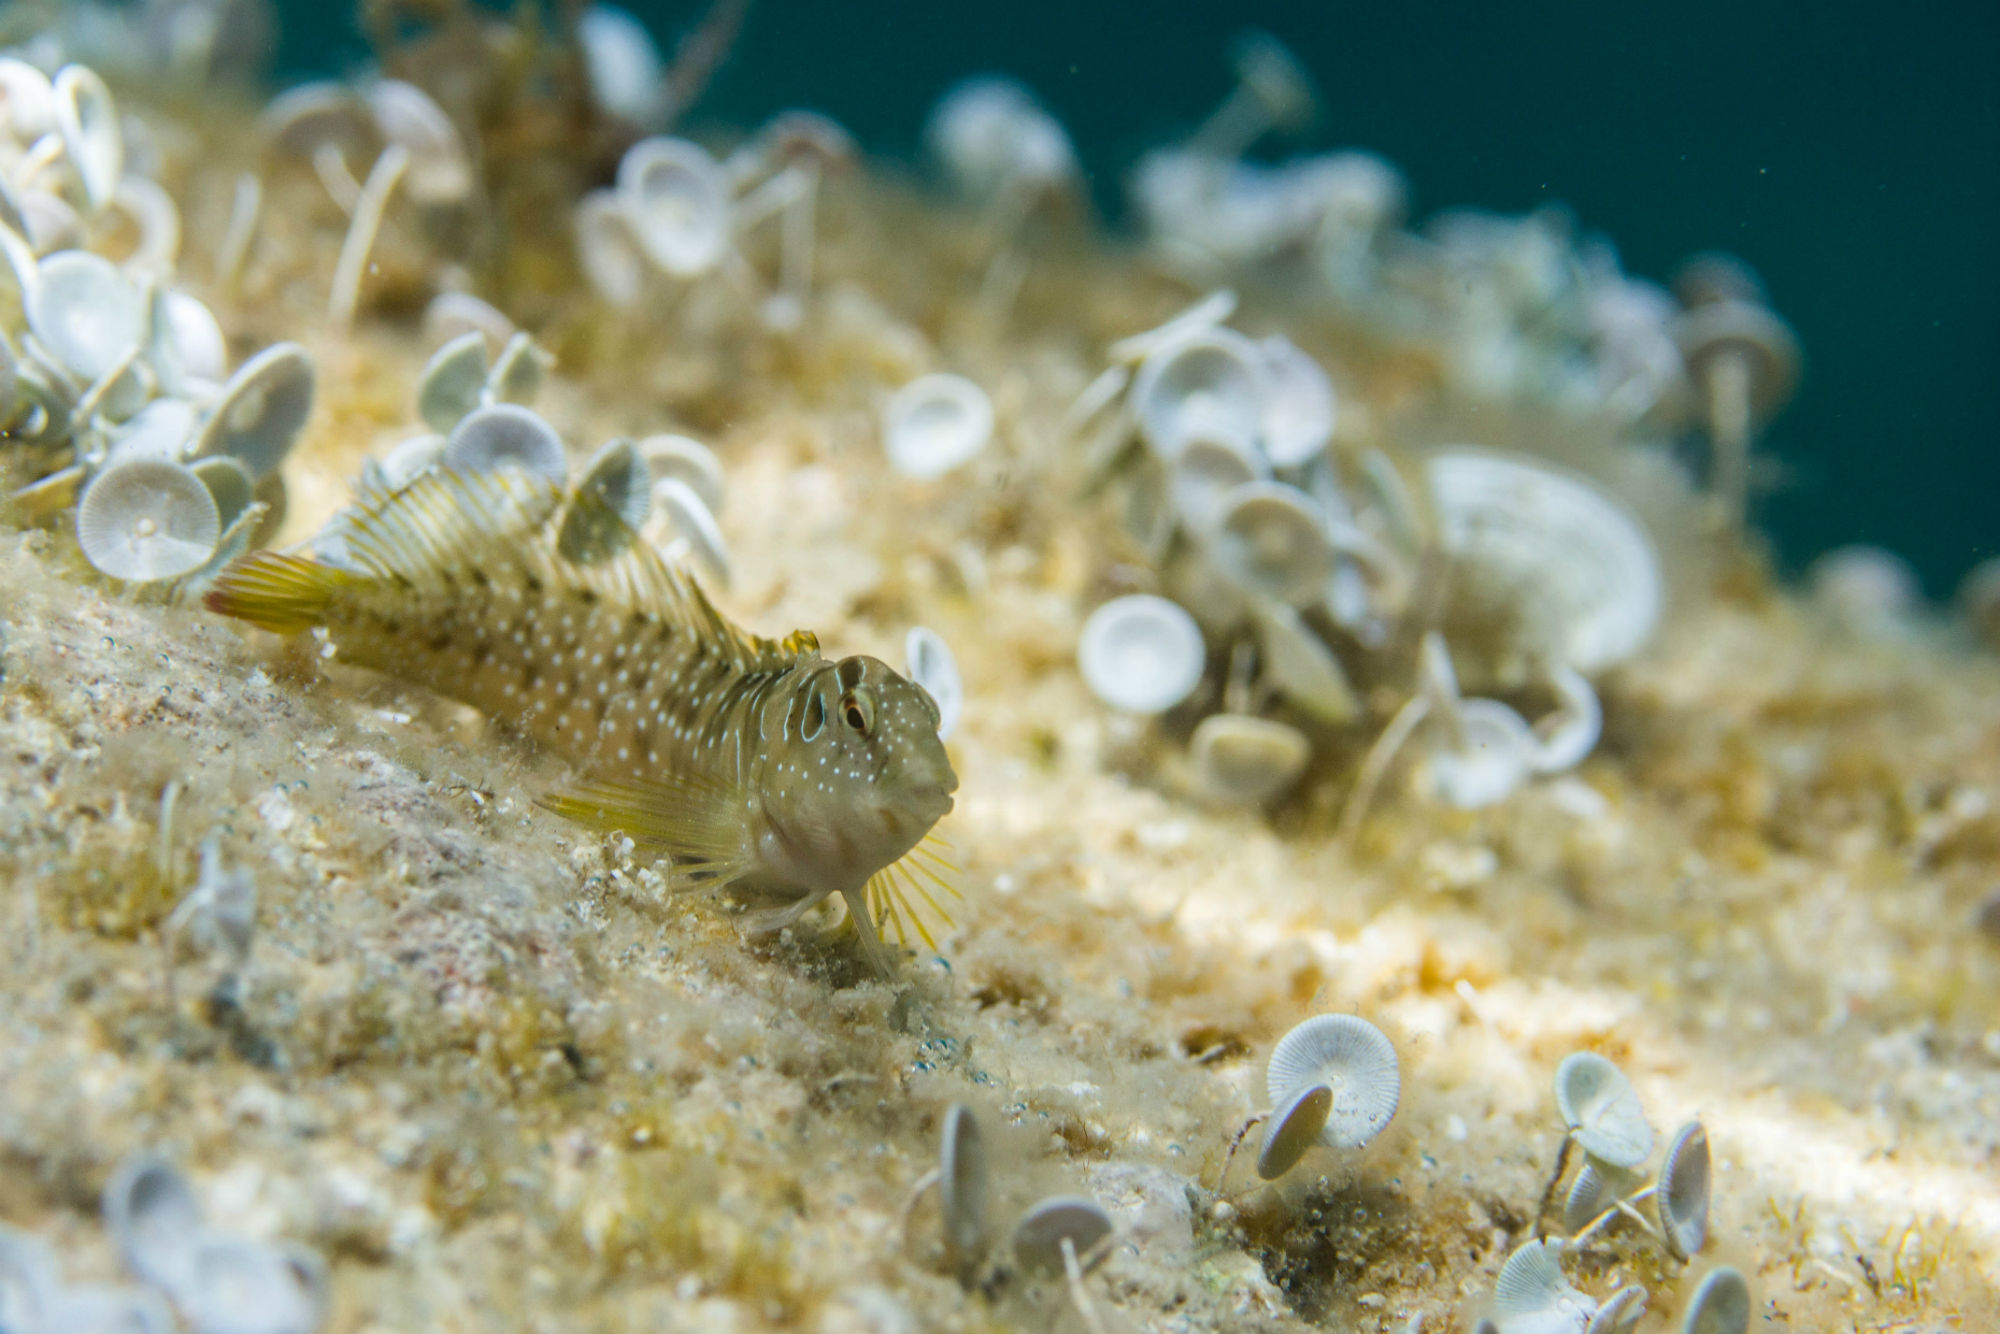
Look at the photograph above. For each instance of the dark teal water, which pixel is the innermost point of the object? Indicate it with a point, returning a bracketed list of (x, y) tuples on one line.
[(1850, 152)]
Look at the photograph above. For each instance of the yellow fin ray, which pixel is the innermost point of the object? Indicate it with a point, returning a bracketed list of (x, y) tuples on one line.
[(891, 889), (696, 822)]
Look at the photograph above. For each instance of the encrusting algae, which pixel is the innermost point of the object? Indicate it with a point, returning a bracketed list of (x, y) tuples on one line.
[(758, 765)]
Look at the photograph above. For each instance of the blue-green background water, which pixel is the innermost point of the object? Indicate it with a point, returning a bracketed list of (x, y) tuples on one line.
[(1850, 152)]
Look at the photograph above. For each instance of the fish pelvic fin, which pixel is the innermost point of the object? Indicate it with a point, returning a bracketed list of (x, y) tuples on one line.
[(904, 897), (276, 592)]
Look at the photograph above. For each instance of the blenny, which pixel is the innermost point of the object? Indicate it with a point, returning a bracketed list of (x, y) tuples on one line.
[(754, 764)]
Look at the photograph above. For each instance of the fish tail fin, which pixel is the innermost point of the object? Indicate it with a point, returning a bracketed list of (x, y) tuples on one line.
[(273, 591)]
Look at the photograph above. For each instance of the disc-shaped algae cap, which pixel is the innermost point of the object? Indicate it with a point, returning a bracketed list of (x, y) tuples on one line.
[(1741, 328), (684, 514), (931, 664), (1720, 1305), (1565, 565), (1350, 1056), (1621, 1311), (1206, 472), (262, 409), (1495, 757), (1598, 1103), (1294, 1127), (1141, 653), (1683, 1192), (1299, 405), (935, 423), (1213, 381), (85, 311), (1301, 666), (87, 120), (609, 506), (147, 519), (155, 1220), (229, 484), (962, 1184), (690, 460), (1532, 1296), (1272, 540), (94, 1309), (440, 170), (507, 435), (1039, 1236), (28, 1277), (1245, 761), (451, 382), (675, 198)]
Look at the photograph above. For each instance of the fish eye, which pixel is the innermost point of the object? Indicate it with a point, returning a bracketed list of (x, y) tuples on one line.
[(857, 709)]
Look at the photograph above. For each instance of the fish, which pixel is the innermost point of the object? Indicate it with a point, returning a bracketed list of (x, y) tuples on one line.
[(758, 766)]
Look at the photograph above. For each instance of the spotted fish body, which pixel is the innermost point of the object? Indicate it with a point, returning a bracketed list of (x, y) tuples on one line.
[(756, 764)]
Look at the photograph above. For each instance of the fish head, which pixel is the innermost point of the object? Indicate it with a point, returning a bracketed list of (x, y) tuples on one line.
[(863, 774)]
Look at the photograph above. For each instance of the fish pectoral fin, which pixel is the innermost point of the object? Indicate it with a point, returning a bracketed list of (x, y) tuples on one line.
[(698, 824)]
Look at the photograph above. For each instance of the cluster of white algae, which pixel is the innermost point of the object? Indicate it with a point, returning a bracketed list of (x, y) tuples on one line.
[(1566, 773)]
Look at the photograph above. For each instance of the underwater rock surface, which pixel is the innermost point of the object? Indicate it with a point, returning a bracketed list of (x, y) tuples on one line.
[(484, 1063)]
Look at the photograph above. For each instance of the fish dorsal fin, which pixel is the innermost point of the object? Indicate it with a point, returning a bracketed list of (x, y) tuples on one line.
[(451, 531)]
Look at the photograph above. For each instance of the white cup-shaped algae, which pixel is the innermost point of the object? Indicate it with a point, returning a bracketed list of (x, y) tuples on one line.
[(675, 198), (157, 219), (262, 409), (1352, 1057), (238, 1286), (27, 101), (451, 314), (1205, 473), (683, 513), (93, 1309), (87, 119), (187, 348), (993, 138), (506, 435), (1213, 381), (439, 169), (85, 311), (1200, 317), (1240, 760), (1040, 1233), (452, 381), (1299, 404), (1621, 1311), (1575, 570), (28, 1280), (1141, 654), (1299, 664), (1272, 540), (962, 1173), (147, 519), (1683, 1191), (935, 423), (306, 116), (1295, 1127), (518, 371), (163, 429), (612, 499), (229, 484), (931, 664), (1532, 1296), (1601, 1108), (1720, 1305), (152, 1215), (1491, 754), (689, 460), (1568, 734), (622, 65), (410, 459)]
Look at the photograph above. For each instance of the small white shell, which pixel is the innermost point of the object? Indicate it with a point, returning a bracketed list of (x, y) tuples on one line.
[(1212, 382), (147, 519), (1492, 761), (506, 435), (262, 409), (962, 1185), (1352, 1057), (1598, 1103), (1295, 1127), (675, 198), (1299, 405), (1245, 761), (1720, 1305), (439, 171), (607, 250), (684, 514), (1683, 1193), (935, 423), (155, 1220), (1038, 1237), (1570, 566), (1273, 541), (87, 120), (452, 381), (690, 460), (931, 665), (1532, 1296), (85, 311), (237, 1286), (1142, 654), (1206, 471)]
